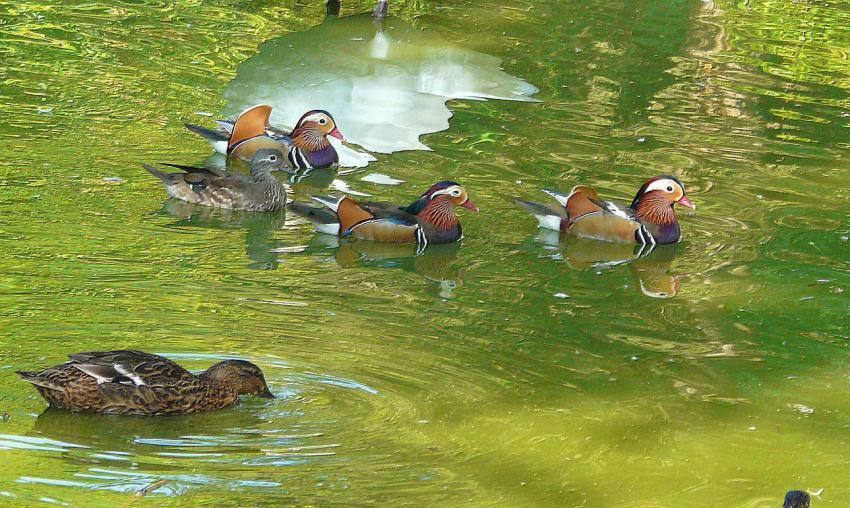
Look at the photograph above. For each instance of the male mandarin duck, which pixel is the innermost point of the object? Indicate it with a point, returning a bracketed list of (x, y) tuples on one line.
[(649, 219), (138, 383), (796, 499), (306, 146), (258, 192), (430, 219)]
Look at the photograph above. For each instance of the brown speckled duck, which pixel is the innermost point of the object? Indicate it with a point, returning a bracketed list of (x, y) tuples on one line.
[(127, 381), (258, 192), (649, 219)]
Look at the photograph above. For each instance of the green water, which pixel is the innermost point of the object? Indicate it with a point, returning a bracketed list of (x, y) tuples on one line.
[(508, 370)]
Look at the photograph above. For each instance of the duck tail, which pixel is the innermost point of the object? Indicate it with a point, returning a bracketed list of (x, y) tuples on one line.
[(314, 214), (36, 379), (208, 134), (165, 177), (549, 217), (325, 220)]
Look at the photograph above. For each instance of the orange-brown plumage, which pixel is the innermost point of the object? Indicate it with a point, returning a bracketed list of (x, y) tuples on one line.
[(648, 220), (249, 124)]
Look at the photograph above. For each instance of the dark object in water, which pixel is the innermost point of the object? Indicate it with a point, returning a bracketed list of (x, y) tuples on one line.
[(796, 499)]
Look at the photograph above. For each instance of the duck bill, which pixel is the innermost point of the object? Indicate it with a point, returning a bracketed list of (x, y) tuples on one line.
[(266, 394), (468, 204), (684, 201), (335, 133)]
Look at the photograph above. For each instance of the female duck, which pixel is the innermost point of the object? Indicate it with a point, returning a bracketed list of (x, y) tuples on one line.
[(133, 382), (258, 192), (649, 219)]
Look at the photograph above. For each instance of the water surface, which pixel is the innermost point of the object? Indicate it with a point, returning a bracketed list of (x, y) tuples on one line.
[(512, 369)]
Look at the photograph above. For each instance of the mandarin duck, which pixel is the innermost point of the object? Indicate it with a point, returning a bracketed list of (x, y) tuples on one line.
[(430, 219), (796, 499), (306, 146), (649, 219), (258, 192), (127, 381)]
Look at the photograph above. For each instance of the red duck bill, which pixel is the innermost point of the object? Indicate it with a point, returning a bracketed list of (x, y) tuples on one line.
[(684, 201)]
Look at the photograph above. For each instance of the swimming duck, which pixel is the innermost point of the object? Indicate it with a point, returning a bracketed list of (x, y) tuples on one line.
[(649, 219), (796, 499), (430, 219), (258, 192), (306, 146), (127, 381)]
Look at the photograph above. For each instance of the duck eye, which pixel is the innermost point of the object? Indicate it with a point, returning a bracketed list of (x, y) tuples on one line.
[(456, 193), (273, 158), (322, 121), (669, 188)]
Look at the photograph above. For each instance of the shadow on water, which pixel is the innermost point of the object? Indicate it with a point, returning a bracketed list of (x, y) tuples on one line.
[(386, 85), (650, 265), (436, 264), (259, 228)]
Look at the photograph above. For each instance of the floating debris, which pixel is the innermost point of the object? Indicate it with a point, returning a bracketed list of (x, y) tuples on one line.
[(286, 303), (203, 113), (382, 179), (287, 250), (44, 110), (152, 487), (561, 295), (112, 179), (800, 408)]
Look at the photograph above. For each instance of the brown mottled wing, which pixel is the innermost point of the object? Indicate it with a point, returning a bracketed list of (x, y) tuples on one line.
[(127, 363), (251, 123), (140, 382)]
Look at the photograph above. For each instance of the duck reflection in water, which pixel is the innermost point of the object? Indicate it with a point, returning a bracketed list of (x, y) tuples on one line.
[(436, 264), (386, 85), (259, 228), (650, 264)]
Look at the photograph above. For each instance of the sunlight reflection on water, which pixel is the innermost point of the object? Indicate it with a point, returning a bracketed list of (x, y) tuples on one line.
[(385, 85)]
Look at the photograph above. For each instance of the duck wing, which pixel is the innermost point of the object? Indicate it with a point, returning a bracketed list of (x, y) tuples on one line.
[(591, 217), (383, 222), (129, 367)]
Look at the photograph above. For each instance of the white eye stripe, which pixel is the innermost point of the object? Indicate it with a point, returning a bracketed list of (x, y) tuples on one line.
[(454, 190), (318, 117), (663, 185)]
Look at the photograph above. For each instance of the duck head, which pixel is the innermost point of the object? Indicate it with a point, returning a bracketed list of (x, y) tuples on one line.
[(656, 197), (316, 123), (444, 192), (244, 377), (796, 499), (267, 160)]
